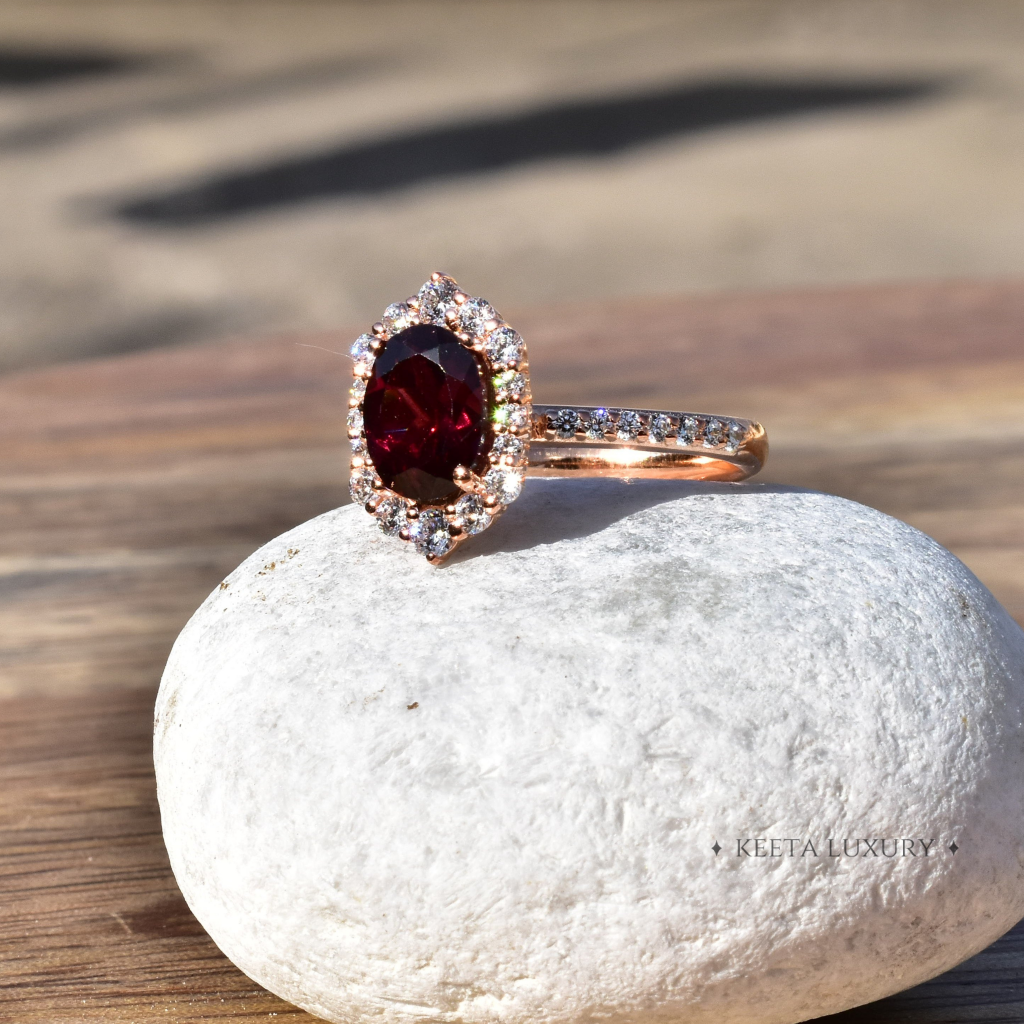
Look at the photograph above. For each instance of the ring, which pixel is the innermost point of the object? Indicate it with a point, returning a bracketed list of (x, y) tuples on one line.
[(443, 428)]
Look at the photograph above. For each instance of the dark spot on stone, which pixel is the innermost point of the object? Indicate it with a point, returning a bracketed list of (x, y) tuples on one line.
[(414, 704)]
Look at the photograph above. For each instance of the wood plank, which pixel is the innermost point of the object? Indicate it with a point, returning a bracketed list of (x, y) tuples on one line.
[(92, 926), (129, 487)]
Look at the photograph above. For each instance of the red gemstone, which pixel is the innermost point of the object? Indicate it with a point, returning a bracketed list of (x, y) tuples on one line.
[(425, 412)]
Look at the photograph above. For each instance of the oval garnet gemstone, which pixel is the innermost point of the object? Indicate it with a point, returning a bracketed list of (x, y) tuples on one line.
[(425, 412)]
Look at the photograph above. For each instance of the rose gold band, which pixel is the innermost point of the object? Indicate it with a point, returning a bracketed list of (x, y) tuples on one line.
[(643, 443)]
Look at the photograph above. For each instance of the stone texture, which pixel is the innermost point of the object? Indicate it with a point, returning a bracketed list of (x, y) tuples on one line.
[(490, 791)]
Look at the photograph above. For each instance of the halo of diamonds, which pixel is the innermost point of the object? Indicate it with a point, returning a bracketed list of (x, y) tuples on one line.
[(435, 531)]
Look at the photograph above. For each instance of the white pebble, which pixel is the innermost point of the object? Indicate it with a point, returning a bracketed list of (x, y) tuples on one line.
[(489, 791)]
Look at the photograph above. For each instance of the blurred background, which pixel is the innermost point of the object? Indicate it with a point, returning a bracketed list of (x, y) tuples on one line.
[(175, 171)]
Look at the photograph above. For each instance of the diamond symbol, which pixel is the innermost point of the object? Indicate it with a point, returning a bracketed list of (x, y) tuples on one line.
[(716, 848), (953, 847)]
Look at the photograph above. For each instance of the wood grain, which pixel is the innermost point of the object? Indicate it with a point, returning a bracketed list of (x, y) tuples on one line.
[(129, 487)]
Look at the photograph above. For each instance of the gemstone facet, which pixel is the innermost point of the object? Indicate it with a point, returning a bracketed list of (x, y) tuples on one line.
[(429, 532), (514, 417), (471, 515), (360, 485), (687, 435), (504, 484), (510, 386), (714, 433), (362, 350), (504, 347), (628, 427), (396, 317), (435, 299), (425, 412), (661, 424), (599, 425), (737, 435), (474, 314), (390, 515), (509, 446), (565, 423)]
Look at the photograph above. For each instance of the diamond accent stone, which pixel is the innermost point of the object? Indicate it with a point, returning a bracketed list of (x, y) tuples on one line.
[(514, 417), (429, 532), (599, 425), (355, 422), (396, 318), (358, 446), (509, 445), (504, 348), (471, 514), (474, 313), (504, 484), (714, 433), (628, 426), (390, 515), (687, 434), (661, 424), (362, 350), (360, 485), (510, 386), (435, 300), (565, 423), (737, 435), (358, 389)]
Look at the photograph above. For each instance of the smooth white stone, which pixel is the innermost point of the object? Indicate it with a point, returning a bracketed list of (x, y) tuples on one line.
[(489, 791)]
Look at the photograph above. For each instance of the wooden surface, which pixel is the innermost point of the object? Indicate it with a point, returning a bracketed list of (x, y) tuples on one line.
[(129, 487)]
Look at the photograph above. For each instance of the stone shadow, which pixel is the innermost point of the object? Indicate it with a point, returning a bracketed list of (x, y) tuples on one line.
[(22, 68), (589, 128), (553, 510)]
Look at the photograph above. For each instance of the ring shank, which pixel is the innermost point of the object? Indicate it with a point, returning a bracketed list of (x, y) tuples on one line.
[(548, 461), (665, 457)]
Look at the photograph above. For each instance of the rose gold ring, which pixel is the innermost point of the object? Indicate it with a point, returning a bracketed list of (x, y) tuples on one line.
[(443, 428)]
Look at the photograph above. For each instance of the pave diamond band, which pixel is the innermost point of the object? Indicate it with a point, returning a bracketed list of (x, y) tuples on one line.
[(600, 441)]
